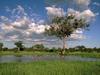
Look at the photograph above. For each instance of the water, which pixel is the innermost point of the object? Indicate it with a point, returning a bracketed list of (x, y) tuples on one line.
[(26, 58)]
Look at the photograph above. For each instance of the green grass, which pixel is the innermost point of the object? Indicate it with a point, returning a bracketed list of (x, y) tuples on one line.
[(40, 53), (84, 54), (50, 68), (20, 53)]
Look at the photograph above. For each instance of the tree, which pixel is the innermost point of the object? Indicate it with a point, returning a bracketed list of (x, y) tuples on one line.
[(80, 47), (39, 47), (19, 45), (1, 46), (5, 49), (63, 27)]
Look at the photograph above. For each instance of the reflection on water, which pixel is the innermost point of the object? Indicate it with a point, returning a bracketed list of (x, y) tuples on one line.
[(25, 58)]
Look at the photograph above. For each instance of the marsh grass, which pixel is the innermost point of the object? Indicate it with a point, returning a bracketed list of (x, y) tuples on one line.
[(50, 68), (20, 53), (40, 53), (84, 54)]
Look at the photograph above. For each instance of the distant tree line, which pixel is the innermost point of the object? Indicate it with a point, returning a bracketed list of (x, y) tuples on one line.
[(41, 47)]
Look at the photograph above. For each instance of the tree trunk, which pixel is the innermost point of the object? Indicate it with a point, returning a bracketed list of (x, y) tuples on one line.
[(18, 49), (64, 46)]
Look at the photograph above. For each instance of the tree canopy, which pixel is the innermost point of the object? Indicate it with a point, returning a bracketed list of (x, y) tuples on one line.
[(65, 26), (19, 45)]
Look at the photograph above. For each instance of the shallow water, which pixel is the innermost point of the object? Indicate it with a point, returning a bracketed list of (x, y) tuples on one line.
[(26, 58)]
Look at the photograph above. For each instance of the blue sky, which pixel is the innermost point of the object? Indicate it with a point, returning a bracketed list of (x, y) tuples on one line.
[(35, 15)]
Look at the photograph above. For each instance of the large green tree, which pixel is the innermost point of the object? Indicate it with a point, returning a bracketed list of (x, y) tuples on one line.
[(19, 45), (1, 45), (63, 27), (39, 47)]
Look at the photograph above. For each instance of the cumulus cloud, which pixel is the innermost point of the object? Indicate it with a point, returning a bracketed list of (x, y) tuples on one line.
[(83, 2), (53, 11), (7, 27), (78, 31), (22, 27), (87, 14), (77, 36), (3, 18), (13, 38), (40, 29), (37, 28)]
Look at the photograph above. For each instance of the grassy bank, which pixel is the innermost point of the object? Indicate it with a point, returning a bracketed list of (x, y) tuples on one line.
[(84, 54), (50, 68), (20, 53), (38, 53)]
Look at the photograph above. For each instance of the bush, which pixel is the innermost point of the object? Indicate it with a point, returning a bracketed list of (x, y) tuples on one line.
[(5, 49)]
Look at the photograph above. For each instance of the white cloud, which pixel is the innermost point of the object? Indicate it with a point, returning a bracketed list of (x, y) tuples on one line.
[(21, 23), (16, 24), (19, 30), (37, 28), (77, 36), (82, 2), (13, 37), (53, 11), (40, 29), (6, 27), (24, 27), (21, 27), (72, 11), (3, 18), (88, 15), (78, 31)]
